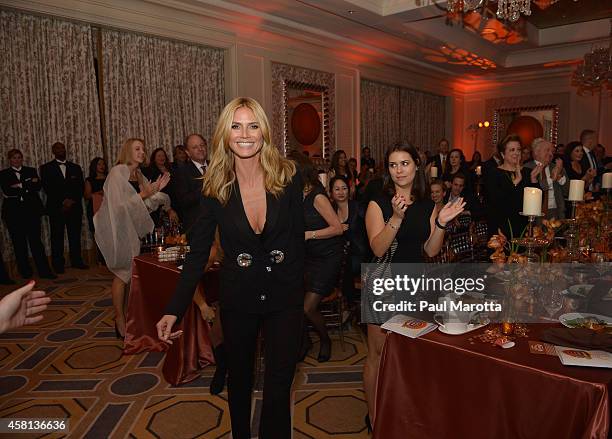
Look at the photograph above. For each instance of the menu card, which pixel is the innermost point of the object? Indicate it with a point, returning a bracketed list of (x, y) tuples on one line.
[(580, 357), (408, 326)]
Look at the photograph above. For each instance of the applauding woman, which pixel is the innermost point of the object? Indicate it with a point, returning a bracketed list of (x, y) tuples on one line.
[(255, 197), (123, 219), (404, 214)]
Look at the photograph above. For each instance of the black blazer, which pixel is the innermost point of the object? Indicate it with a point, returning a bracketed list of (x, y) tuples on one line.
[(20, 200), (263, 286), (438, 163), (59, 188), (188, 193)]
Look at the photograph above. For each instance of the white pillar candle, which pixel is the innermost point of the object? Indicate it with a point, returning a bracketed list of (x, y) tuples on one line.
[(532, 201), (607, 181), (434, 172), (576, 191), (478, 170)]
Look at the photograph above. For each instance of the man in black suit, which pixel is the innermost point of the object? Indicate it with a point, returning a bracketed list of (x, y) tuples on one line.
[(440, 160), (21, 212), (589, 141), (188, 180), (457, 190), (63, 183)]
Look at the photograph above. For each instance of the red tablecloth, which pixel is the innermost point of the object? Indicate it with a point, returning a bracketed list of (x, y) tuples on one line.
[(442, 386), (153, 283)]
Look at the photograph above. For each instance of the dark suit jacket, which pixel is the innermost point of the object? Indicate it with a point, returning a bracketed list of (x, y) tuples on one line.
[(471, 203), (188, 193), (59, 188), (24, 200), (263, 286), (438, 163)]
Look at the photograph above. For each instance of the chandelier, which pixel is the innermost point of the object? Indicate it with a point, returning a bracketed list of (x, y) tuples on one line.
[(594, 73), (508, 10)]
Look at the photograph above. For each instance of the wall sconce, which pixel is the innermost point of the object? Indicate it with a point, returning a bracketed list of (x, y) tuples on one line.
[(474, 127)]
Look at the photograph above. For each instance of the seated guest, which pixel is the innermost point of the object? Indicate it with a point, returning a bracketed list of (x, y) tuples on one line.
[(63, 183), (456, 165), (575, 168), (21, 212), (179, 155), (367, 161), (438, 193), (188, 180), (457, 192), (505, 184), (551, 180)]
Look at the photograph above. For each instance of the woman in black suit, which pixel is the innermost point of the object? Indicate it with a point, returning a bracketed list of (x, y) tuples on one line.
[(255, 197)]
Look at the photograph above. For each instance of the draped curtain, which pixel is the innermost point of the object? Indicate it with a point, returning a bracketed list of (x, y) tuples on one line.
[(158, 90), (380, 117), (391, 114), (48, 94)]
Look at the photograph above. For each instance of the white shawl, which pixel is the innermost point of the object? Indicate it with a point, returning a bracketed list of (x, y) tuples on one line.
[(120, 223)]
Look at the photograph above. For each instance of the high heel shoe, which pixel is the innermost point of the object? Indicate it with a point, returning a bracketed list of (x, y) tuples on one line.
[(117, 333), (367, 423), (324, 350)]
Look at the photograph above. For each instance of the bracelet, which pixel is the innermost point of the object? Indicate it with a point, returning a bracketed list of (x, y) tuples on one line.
[(440, 225), (313, 235)]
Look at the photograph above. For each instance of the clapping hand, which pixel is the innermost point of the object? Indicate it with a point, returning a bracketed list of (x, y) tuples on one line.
[(557, 170), (535, 172), (399, 205), (450, 211), (22, 307)]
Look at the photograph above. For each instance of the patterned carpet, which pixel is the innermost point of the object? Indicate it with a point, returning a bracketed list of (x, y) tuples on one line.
[(71, 366)]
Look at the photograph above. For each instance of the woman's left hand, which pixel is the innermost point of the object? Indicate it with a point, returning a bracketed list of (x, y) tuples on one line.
[(450, 211)]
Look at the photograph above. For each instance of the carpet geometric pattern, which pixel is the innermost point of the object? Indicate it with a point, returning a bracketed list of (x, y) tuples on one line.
[(70, 365)]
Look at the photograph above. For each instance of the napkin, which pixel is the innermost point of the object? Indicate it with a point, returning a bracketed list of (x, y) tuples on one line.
[(581, 338)]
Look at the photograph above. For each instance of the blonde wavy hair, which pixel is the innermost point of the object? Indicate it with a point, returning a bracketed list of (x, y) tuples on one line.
[(125, 155), (220, 176)]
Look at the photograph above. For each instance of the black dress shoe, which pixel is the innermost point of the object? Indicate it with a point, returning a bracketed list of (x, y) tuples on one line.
[(48, 276), (324, 350), (80, 266)]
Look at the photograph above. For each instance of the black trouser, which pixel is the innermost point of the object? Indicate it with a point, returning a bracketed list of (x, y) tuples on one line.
[(71, 221), (25, 229), (282, 331)]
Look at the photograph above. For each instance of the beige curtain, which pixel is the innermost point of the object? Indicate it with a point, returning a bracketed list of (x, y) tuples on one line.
[(422, 118), (390, 114), (48, 94), (380, 117), (158, 90)]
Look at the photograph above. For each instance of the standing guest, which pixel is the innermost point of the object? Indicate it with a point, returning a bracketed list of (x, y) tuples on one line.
[(456, 165), (94, 186), (355, 245), (123, 219), (551, 180), (402, 213), (352, 166), (440, 160), (505, 186), (188, 180), (22, 307), (438, 193), (588, 139), (180, 156), (475, 162), (575, 167), (559, 151), (324, 252), (253, 194), (63, 183), (526, 154), (21, 212), (339, 167), (367, 161), (159, 164)]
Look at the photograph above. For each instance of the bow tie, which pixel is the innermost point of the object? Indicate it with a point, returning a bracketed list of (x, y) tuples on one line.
[(61, 164)]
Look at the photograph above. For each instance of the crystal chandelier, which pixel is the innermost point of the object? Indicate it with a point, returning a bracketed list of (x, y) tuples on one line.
[(594, 73), (507, 10), (512, 9)]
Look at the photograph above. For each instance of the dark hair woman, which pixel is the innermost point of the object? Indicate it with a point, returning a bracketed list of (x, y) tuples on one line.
[(572, 161), (405, 214)]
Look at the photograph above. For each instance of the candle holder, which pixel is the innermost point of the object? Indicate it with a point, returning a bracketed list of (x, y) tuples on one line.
[(571, 234), (531, 242)]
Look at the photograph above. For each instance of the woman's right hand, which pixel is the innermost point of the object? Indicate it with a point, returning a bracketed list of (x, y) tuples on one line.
[(399, 204), (164, 329)]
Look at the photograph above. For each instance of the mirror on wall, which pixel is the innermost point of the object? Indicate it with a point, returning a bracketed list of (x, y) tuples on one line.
[(527, 122), (306, 119)]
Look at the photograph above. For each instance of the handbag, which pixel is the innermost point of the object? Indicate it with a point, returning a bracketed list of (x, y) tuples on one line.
[(380, 267)]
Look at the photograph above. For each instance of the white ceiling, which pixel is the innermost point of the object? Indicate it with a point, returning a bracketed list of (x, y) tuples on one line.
[(414, 32)]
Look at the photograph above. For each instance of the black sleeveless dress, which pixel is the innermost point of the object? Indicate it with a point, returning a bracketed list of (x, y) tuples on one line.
[(323, 257)]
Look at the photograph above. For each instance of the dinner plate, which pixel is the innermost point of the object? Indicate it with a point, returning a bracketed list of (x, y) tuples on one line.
[(470, 328), (565, 318)]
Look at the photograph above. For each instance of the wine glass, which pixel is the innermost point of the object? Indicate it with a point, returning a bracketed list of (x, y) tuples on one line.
[(551, 300), (600, 263)]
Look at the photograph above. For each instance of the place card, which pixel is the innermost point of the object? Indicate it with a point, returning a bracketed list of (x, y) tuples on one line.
[(408, 326), (541, 348), (581, 357)]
